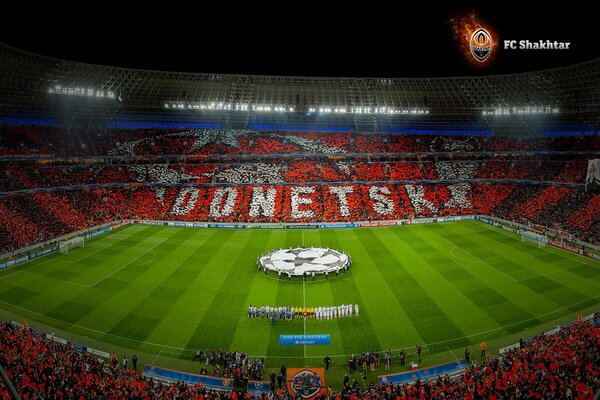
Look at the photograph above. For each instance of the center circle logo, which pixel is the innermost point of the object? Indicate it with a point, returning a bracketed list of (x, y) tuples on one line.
[(304, 261), (481, 44), (306, 383)]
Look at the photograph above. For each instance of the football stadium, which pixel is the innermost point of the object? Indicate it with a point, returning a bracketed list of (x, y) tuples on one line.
[(217, 236)]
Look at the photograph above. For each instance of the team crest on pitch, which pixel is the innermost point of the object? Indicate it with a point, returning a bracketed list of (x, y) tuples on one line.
[(306, 383), (481, 44)]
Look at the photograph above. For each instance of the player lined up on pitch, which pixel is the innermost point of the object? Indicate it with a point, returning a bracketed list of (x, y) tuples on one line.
[(289, 313)]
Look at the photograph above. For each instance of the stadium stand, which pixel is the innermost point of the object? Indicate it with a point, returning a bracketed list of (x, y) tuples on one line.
[(542, 188), (563, 365), (37, 141)]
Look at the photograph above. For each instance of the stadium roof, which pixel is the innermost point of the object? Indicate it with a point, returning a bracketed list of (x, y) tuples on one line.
[(30, 81)]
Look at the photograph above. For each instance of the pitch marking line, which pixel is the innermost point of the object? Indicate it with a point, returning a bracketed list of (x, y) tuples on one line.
[(118, 235), (556, 272), (27, 268), (506, 234), (451, 352), (283, 357), (125, 265), (304, 303), (49, 258), (57, 280), (88, 255), (460, 258), (524, 279), (474, 256), (24, 268), (156, 358)]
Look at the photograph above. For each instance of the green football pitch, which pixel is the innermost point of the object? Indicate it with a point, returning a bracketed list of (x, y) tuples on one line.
[(169, 291)]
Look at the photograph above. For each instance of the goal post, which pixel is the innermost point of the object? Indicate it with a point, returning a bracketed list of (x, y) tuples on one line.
[(69, 244), (531, 237)]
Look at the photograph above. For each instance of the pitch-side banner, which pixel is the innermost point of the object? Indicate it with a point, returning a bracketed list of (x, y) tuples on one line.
[(592, 181), (423, 374), (305, 382), (258, 388), (299, 340)]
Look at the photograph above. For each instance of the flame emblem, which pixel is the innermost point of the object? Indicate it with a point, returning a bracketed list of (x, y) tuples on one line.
[(481, 44)]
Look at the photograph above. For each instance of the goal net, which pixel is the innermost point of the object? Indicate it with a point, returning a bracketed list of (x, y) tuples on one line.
[(67, 245), (530, 237)]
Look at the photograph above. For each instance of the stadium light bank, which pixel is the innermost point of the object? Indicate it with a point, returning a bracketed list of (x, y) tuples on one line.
[(220, 106), (505, 111), (82, 92)]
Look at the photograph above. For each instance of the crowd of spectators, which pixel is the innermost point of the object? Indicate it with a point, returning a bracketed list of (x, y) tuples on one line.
[(531, 207), (298, 189), (234, 365), (559, 366), (30, 175), (562, 365), (23, 140), (37, 217), (40, 368)]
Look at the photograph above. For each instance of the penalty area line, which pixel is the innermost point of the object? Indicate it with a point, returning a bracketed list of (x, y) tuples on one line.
[(130, 262), (477, 258)]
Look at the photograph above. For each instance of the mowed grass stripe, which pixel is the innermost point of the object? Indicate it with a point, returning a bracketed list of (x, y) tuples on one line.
[(110, 259), (507, 314), (538, 301), (542, 260), (54, 264), (320, 293), (548, 260), (253, 334), (185, 287), (545, 286), (391, 323), (465, 316), (429, 319), (536, 304), (181, 290), (128, 287), (287, 295), (217, 261), (63, 303), (155, 288), (503, 269), (233, 292), (357, 333), (45, 296)]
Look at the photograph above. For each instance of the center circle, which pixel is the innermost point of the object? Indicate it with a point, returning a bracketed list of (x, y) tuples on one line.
[(304, 261)]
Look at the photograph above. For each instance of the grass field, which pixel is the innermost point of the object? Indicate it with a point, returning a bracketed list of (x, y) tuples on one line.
[(170, 291)]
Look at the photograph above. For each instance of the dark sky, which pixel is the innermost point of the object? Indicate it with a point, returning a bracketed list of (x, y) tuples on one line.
[(363, 41)]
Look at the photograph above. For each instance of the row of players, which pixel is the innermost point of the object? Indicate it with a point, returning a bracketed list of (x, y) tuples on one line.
[(329, 312)]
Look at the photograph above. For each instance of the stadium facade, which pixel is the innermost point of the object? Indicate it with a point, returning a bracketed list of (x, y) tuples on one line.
[(41, 89)]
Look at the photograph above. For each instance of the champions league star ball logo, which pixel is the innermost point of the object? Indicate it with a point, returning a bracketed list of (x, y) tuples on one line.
[(481, 44), (306, 383)]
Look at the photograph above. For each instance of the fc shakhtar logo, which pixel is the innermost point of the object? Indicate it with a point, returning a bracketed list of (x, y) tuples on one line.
[(481, 44), (306, 383)]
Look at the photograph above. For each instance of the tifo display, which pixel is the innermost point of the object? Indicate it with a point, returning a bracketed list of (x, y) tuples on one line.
[(41, 200)]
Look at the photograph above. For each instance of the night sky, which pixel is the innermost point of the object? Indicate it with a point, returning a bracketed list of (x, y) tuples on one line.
[(370, 41)]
